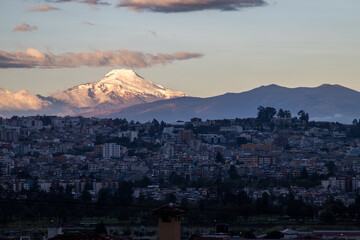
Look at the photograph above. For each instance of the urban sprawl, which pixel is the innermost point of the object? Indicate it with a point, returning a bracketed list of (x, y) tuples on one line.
[(275, 154)]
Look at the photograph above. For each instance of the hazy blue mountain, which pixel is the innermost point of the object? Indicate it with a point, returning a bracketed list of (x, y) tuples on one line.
[(323, 103)]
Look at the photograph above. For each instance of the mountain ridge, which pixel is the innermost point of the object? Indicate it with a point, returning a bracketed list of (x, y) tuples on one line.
[(125, 94), (324, 103)]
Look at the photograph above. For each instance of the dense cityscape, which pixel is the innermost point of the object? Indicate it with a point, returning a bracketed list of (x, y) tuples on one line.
[(179, 120), (58, 171)]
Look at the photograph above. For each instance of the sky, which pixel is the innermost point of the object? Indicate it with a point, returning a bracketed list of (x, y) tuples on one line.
[(200, 47)]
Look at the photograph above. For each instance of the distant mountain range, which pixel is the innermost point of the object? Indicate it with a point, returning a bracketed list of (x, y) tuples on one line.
[(323, 103), (124, 94)]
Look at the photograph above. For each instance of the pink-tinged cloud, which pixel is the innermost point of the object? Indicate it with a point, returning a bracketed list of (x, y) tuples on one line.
[(152, 33), (43, 8), (25, 28), (93, 2), (22, 100), (33, 58), (187, 5), (88, 23)]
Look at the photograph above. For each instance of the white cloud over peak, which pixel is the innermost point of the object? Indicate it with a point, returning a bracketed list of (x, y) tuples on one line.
[(21, 100)]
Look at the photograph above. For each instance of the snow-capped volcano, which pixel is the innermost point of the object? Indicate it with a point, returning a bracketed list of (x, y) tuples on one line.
[(118, 88)]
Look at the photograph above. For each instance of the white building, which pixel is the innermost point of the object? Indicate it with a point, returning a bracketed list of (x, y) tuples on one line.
[(111, 150)]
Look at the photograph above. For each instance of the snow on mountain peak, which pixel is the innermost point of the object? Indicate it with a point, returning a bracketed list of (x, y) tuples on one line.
[(121, 72), (118, 88), (118, 76)]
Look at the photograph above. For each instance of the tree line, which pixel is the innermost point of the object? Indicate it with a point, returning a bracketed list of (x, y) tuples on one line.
[(221, 204), (266, 114)]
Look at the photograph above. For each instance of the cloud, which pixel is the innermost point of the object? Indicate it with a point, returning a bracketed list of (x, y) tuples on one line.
[(92, 2), (43, 8), (88, 23), (96, 2), (22, 100), (33, 58), (25, 28), (168, 6), (152, 33)]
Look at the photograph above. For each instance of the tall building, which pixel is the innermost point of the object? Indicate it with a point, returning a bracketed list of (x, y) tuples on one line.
[(111, 150)]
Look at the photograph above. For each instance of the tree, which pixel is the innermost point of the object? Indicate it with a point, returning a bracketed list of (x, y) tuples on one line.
[(265, 115), (304, 174), (233, 173), (229, 197), (154, 128), (184, 203), (86, 196), (297, 208), (104, 197), (162, 125), (331, 168), (124, 193), (303, 116), (240, 141), (152, 131), (144, 182), (100, 228), (34, 190), (281, 113), (261, 116), (274, 235), (155, 123), (242, 198), (263, 204), (170, 197), (219, 158), (332, 211), (248, 235), (176, 179), (287, 114)]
